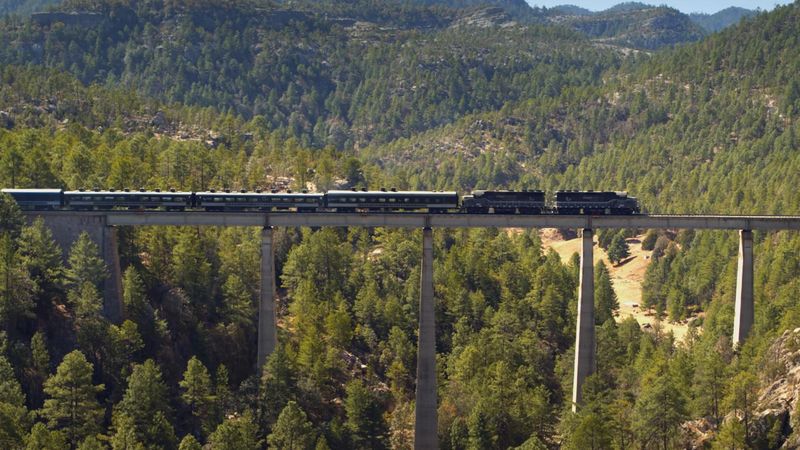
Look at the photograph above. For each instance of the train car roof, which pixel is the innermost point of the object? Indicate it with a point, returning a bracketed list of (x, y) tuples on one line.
[(350, 192), (569, 191), (260, 194), (506, 191), (130, 192), (32, 191)]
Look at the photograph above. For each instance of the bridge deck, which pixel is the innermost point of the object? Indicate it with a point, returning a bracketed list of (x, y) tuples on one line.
[(419, 220)]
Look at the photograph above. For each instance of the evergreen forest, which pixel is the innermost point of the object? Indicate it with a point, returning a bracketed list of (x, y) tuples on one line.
[(237, 94)]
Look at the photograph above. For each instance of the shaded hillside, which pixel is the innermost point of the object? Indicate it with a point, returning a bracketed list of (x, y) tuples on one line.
[(721, 19), (24, 7)]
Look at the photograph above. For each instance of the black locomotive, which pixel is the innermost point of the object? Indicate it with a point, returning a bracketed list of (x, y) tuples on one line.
[(595, 202), (479, 202), (504, 202)]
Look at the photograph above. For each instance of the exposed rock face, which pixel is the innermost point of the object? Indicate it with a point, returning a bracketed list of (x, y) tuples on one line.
[(778, 396), (776, 420), (485, 18)]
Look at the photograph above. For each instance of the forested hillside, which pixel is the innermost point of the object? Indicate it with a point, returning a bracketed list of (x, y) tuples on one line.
[(23, 7), (721, 19), (632, 25), (209, 95)]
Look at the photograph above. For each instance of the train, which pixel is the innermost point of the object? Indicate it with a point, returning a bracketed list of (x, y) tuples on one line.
[(354, 200)]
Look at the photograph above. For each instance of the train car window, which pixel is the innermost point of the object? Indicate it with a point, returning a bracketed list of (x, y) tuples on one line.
[(392, 200)]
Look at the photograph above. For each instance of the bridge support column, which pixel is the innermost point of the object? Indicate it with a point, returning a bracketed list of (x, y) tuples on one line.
[(743, 320), (112, 286), (584, 335), (267, 332), (425, 420)]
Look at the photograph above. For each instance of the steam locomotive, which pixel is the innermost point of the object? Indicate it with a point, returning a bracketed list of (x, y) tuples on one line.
[(478, 202)]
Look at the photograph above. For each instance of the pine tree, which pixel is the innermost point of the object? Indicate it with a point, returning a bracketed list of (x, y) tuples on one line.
[(192, 270), (137, 307), (85, 264), (605, 299), (40, 354), (277, 384), (10, 389), (41, 438), (91, 443), (222, 394), (480, 435), (588, 429), (649, 241), (41, 255), (11, 219), (709, 382), (239, 308), (731, 435), (365, 420), (235, 433), (124, 344), (189, 443), (16, 287), (618, 250), (292, 431), (14, 419), (660, 408), (197, 395), (124, 437), (741, 397), (145, 402), (72, 404)]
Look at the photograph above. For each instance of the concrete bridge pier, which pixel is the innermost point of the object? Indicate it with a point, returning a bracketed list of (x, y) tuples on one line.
[(112, 286), (425, 420), (267, 329), (584, 335), (743, 319)]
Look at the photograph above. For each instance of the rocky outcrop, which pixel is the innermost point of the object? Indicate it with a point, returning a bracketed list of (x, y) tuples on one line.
[(776, 409), (485, 18), (776, 419)]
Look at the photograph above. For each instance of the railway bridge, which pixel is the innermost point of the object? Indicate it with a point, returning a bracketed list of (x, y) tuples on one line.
[(66, 225)]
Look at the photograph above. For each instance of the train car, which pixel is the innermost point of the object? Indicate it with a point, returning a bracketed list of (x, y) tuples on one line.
[(258, 201), (37, 199), (124, 199), (350, 201), (504, 202), (595, 202)]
